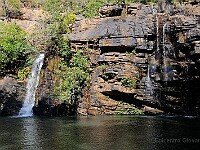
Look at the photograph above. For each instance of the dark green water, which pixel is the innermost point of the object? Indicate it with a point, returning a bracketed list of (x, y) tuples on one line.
[(100, 133)]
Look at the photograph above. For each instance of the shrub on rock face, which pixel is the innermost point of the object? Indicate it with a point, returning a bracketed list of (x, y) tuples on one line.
[(73, 78), (129, 83)]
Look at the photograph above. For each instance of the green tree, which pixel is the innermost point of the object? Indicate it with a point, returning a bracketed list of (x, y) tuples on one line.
[(13, 46), (73, 77)]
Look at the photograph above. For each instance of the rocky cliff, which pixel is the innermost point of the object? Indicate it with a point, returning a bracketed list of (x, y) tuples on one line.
[(144, 59), (142, 56)]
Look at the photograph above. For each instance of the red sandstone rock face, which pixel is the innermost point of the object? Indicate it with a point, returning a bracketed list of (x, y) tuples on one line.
[(151, 47)]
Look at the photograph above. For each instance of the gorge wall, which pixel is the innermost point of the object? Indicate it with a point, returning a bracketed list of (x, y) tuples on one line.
[(144, 59), (142, 56)]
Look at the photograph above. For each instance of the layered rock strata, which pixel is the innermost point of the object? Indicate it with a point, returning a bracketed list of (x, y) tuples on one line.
[(146, 56)]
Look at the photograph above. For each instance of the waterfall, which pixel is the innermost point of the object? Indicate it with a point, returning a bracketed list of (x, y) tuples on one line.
[(157, 32), (164, 36), (166, 67), (32, 84), (165, 76), (149, 85)]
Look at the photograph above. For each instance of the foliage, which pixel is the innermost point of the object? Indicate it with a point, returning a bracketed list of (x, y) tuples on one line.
[(143, 1), (80, 61), (68, 20), (53, 6), (23, 73), (129, 110), (133, 52), (105, 77), (108, 76), (52, 39), (64, 50), (64, 6), (73, 77), (42, 35), (128, 82), (92, 7), (102, 67), (71, 83), (14, 47)]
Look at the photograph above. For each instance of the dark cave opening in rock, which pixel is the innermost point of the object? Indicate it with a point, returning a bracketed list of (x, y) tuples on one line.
[(121, 49), (123, 97)]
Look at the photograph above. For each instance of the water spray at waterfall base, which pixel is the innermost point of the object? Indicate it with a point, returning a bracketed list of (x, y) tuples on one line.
[(32, 84)]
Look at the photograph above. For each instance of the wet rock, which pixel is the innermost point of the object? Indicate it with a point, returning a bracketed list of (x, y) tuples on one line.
[(11, 96), (152, 111), (57, 109)]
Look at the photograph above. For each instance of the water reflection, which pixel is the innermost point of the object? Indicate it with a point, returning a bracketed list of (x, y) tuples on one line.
[(9, 136), (30, 131), (99, 133)]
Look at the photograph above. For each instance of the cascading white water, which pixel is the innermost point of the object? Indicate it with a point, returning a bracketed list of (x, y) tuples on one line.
[(164, 51), (165, 76), (148, 83), (149, 87), (32, 84), (157, 32)]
